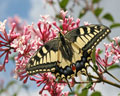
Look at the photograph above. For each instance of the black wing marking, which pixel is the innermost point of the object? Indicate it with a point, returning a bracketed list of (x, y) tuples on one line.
[(87, 37), (44, 59), (53, 56)]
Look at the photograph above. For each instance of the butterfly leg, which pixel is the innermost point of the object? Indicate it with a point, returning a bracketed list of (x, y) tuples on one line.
[(69, 84)]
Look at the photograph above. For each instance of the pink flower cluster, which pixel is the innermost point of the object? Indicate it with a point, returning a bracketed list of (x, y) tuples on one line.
[(112, 54), (24, 40), (54, 88), (67, 23), (5, 42)]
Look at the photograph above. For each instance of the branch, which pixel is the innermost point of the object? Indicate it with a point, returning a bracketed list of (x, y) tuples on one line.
[(106, 81)]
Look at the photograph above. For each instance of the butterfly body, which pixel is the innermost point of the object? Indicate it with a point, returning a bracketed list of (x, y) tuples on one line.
[(67, 54)]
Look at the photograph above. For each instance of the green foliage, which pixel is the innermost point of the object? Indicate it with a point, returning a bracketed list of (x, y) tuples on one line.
[(95, 1), (96, 93), (94, 59), (108, 17), (114, 25), (89, 85), (114, 66), (98, 11), (71, 94), (63, 4), (78, 88), (119, 94), (93, 56), (15, 94), (2, 91), (84, 93)]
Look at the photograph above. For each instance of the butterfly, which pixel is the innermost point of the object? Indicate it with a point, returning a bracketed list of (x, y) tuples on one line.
[(69, 53)]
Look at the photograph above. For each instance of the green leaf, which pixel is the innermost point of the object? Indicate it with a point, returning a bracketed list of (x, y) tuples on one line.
[(89, 85), (114, 66), (96, 94), (63, 4), (94, 59), (100, 52), (78, 88), (3, 90), (95, 1), (115, 25), (70, 94), (15, 94), (119, 94), (82, 13), (84, 93), (98, 11), (108, 17), (93, 56)]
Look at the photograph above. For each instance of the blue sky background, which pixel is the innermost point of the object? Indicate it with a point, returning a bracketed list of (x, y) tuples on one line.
[(30, 10), (24, 9), (14, 7)]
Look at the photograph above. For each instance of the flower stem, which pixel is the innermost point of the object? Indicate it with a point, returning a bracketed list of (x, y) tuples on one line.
[(82, 82), (112, 75), (106, 81), (105, 70)]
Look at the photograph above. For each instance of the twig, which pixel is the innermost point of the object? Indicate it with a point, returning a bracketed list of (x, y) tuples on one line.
[(106, 81), (105, 70), (112, 75), (97, 81)]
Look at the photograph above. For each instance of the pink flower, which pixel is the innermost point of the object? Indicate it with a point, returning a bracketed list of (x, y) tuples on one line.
[(25, 40), (32, 39), (50, 84), (45, 31), (19, 23), (111, 50), (6, 39), (68, 24)]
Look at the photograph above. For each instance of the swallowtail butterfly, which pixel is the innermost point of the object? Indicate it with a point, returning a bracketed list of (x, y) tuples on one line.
[(67, 54)]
